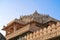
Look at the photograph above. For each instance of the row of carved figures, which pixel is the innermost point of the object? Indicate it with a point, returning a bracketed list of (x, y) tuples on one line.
[(44, 34)]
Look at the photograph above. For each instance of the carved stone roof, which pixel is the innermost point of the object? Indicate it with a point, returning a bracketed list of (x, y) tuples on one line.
[(40, 18), (35, 17)]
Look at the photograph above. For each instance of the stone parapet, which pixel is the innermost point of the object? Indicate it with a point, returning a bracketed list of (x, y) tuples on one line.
[(44, 34)]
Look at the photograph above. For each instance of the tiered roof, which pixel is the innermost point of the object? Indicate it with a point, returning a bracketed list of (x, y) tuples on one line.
[(35, 17), (40, 18)]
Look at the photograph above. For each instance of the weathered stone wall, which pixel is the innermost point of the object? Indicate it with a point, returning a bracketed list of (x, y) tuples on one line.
[(46, 33)]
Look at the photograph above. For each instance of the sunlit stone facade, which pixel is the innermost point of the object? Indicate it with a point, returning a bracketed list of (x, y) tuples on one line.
[(33, 27)]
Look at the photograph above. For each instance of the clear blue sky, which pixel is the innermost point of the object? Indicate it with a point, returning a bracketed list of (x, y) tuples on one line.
[(11, 9)]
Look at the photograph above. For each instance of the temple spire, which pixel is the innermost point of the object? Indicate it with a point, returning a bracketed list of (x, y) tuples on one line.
[(35, 13)]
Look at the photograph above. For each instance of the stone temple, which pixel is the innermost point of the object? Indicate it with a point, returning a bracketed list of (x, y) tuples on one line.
[(33, 27)]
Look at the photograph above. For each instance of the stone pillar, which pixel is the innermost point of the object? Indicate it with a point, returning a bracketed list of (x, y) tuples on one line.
[(14, 28)]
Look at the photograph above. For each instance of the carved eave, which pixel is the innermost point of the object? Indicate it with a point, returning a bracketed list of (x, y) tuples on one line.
[(9, 25)]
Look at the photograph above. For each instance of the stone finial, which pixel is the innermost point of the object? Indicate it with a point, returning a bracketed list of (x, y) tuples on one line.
[(35, 13), (3, 26)]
